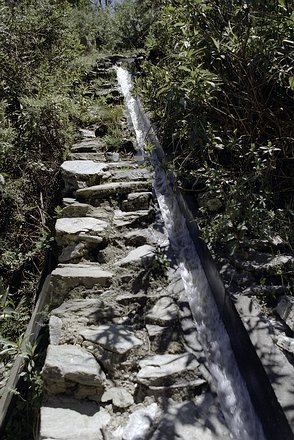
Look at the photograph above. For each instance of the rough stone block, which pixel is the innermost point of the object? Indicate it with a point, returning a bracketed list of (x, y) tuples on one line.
[(67, 366), (69, 419)]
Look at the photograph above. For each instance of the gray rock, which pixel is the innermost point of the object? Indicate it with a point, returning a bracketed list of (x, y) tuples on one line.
[(91, 309), (74, 315), (76, 210), (140, 423), (80, 228), (121, 164), (123, 219), (285, 343), (66, 365), (68, 276), (112, 157), (80, 173), (55, 326), (86, 133), (136, 238), (115, 338), (73, 252), (113, 190), (285, 310), (67, 201), (135, 201), (69, 419), (97, 157), (275, 363), (167, 369), (141, 255), (87, 146), (119, 397), (198, 419), (163, 312), (128, 175), (155, 331)]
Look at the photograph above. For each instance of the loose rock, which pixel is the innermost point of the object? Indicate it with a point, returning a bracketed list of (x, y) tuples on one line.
[(120, 397), (285, 310), (163, 312), (141, 255)]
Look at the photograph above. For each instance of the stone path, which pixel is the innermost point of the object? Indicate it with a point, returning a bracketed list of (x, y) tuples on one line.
[(123, 361)]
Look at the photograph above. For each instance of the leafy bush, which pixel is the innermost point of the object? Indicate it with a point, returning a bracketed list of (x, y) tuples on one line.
[(219, 83)]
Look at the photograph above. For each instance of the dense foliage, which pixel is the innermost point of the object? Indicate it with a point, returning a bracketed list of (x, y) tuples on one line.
[(219, 82)]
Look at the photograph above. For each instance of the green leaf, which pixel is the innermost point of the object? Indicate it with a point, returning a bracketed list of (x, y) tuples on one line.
[(291, 82)]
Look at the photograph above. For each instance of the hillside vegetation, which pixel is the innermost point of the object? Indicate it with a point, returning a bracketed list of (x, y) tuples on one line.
[(219, 82)]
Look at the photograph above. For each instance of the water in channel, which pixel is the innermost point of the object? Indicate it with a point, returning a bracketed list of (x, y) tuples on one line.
[(229, 384)]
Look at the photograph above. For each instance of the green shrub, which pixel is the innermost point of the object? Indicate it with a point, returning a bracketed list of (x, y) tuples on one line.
[(219, 84)]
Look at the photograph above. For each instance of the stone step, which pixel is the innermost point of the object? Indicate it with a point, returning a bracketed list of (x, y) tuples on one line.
[(81, 173), (110, 343), (81, 229), (72, 369), (168, 369), (73, 316), (132, 219), (86, 134), (115, 190), (64, 418), (96, 157), (92, 145), (125, 175), (76, 209), (68, 276)]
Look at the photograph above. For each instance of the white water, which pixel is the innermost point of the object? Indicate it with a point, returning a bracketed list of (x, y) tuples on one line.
[(231, 389)]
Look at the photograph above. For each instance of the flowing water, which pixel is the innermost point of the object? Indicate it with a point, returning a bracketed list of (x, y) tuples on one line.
[(229, 384)]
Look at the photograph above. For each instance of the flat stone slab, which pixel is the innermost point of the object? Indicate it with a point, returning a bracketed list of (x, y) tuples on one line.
[(68, 276), (87, 146), (82, 168), (87, 133), (70, 419), (80, 228), (70, 363), (128, 219), (199, 419), (141, 255), (97, 157), (119, 397), (90, 309), (113, 189), (161, 370), (116, 338), (163, 312), (127, 175), (275, 363), (285, 310)]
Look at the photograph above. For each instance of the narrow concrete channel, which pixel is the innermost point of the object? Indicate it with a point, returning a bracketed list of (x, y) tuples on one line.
[(126, 360)]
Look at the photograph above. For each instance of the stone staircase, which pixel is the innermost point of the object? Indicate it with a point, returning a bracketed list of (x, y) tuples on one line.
[(123, 361)]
